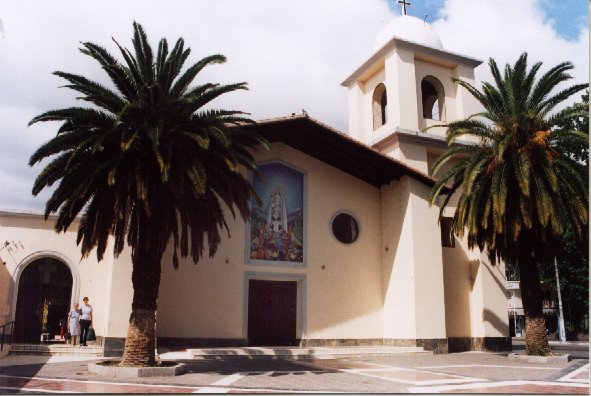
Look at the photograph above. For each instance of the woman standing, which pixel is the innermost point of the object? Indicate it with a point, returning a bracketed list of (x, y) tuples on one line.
[(85, 320), (74, 324)]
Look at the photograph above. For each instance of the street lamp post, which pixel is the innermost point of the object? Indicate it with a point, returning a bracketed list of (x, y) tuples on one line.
[(561, 330)]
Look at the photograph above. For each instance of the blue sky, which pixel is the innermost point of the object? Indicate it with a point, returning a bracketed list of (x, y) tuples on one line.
[(568, 16)]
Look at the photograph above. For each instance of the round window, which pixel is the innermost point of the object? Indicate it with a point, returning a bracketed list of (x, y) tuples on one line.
[(345, 228)]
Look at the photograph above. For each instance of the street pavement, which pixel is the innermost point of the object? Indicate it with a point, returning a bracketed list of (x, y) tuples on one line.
[(469, 372), (577, 349)]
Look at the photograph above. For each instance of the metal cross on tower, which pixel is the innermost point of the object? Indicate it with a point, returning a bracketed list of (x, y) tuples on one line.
[(404, 4)]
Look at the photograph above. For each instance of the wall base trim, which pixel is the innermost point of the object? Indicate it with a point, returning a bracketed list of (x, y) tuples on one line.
[(437, 345), (487, 344), (114, 345), (201, 342)]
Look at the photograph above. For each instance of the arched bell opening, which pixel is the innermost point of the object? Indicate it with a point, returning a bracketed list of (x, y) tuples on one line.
[(433, 97), (379, 106)]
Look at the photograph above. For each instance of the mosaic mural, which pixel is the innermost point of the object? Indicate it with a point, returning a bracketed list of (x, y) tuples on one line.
[(277, 227)]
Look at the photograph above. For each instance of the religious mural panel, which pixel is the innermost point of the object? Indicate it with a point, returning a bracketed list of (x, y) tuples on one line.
[(277, 227)]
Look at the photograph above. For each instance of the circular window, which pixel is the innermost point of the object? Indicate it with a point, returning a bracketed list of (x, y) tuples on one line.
[(345, 228)]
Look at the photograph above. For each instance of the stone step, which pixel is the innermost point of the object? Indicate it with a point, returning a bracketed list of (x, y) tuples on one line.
[(56, 350), (292, 353)]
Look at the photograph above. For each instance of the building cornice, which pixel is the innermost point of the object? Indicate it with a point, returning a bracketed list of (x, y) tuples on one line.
[(446, 57)]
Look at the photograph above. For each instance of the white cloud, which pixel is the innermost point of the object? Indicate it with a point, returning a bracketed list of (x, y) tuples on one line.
[(503, 30), (293, 54)]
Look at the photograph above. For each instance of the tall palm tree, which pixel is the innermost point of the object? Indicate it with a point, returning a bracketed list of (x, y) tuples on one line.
[(144, 164), (518, 186)]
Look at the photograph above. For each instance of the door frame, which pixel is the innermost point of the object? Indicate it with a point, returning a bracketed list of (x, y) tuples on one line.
[(301, 287), (13, 293)]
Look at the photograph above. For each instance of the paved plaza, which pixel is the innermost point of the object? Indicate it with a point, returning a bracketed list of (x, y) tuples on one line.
[(469, 372)]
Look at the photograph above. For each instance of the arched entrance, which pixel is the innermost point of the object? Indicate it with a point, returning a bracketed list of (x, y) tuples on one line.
[(44, 295)]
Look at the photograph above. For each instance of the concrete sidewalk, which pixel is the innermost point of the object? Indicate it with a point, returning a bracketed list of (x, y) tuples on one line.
[(450, 373), (521, 340)]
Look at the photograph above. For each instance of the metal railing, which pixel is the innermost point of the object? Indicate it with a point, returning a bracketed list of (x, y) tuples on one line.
[(4, 326)]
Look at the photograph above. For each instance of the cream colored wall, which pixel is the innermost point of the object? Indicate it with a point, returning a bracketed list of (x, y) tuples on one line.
[(412, 154), (357, 111), (458, 288), (411, 263), (38, 238), (119, 292), (428, 265), (494, 297), (343, 299), (6, 286), (400, 75), (466, 104), (204, 300), (398, 287), (475, 297)]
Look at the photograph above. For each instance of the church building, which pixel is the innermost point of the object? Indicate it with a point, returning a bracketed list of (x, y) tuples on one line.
[(344, 250)]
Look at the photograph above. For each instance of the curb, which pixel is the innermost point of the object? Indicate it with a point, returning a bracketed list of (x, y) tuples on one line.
[(116, 371), (519, 357)]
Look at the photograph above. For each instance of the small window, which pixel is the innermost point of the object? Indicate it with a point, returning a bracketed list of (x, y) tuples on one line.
[(345, 228), (447, 238), (379, 106), (432, 98)]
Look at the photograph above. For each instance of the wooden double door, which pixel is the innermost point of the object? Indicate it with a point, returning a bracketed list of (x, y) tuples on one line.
[(272, 313), (43, 300)]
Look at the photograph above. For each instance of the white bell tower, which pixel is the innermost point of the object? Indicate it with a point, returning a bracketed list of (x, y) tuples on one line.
[(406, 87)]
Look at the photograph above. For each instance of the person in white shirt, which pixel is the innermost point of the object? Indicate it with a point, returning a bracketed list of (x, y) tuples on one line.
[(85, 320), (74, 324)]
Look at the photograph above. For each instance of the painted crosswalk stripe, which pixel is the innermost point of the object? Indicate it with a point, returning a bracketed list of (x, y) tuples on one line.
[(570, 377), (229, 380), (212, 390)]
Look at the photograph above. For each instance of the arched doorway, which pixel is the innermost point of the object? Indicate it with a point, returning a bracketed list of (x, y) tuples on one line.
[(44, 294)]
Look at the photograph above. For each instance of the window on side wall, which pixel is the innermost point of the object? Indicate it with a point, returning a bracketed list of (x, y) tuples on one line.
[(447, 238), (345, 228)]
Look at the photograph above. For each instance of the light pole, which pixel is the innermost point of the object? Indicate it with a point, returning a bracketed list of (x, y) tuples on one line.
[(561, 320)]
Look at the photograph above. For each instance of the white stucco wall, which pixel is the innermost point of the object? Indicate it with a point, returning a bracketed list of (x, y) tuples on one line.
[(398, 285), (395, 281), (475, 297), (38, 239), (343, 282), (119, 295), (411, 263)]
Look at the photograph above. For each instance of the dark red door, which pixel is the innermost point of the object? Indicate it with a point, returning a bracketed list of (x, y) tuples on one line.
[(272, 313)]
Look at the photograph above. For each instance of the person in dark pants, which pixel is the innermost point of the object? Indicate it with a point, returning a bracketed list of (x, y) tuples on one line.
[(85, 320)]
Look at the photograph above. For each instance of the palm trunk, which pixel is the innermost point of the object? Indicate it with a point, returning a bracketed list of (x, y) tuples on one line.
[(536, 340), (140, 343)]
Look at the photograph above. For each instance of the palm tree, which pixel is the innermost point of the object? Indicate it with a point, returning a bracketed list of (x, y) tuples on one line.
[(144, 164), (518, 186)]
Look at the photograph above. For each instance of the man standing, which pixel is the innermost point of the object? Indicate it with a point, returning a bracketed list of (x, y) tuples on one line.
[(85, 320)]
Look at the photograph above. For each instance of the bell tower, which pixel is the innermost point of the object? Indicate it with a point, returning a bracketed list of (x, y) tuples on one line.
[(405, 88), (397, 99)]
